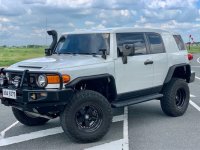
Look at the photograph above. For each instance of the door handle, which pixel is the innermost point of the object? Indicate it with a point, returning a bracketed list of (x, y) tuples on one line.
[(148, 62)]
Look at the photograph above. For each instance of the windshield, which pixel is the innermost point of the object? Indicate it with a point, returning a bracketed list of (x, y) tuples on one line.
[(83, 43)]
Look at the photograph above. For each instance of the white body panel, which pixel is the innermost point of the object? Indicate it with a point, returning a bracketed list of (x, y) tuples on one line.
[(130, 76), (160, 68), (175, 56)]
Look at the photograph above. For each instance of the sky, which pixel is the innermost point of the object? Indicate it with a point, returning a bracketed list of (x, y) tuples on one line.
[(25, 22)]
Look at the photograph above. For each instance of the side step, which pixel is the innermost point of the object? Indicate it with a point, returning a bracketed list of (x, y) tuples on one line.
[(136, 100)]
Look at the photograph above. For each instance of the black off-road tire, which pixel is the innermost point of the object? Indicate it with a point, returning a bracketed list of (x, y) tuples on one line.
[(27, 119), (81, 104), (172, 104)]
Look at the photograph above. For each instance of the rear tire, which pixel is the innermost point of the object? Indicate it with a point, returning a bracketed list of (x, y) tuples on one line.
[(176, 97), (87, 118), (28, 120)]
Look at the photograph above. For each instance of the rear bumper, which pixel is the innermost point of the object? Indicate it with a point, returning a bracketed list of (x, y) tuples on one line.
[(192, 77)]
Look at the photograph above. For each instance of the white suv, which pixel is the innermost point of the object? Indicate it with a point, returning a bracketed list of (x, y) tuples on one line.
[(86, 73)]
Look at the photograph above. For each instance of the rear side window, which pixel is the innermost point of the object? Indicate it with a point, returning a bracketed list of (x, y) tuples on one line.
[(179, 42), (156, 43), (137, 39)]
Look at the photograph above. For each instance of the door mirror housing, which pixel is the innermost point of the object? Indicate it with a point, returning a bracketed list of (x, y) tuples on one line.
[(127, 50), (103, 53)]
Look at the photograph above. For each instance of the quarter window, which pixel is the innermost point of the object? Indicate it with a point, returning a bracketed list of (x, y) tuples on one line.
[(179, 42), (156, 43), (137, 39)]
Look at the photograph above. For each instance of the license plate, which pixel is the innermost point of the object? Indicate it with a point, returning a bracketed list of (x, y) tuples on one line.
[(9, 94)]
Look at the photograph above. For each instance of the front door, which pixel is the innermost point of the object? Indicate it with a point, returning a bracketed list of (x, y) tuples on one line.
[(137, 74)]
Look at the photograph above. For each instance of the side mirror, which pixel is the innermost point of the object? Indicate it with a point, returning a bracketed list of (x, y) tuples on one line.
[(103, 53), (127, 50), (48, 52)]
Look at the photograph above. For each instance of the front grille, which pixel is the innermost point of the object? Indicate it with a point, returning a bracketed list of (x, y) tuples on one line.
[(14, 79), (26, 78)]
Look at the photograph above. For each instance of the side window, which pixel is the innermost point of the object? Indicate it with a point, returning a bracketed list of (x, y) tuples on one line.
[(156, 43), (137, 39), (179, 42)]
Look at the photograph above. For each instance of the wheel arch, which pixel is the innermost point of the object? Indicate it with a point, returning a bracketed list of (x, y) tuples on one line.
[(103, 83), (179, 71)]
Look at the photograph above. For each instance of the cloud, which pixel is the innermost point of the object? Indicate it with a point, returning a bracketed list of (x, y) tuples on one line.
[(125, 13), (39, 32), (69, 3), (7, 8), (170, 25), (89, 23), (4, 19), (8, 28), (169, 4), (104, 22), (70, 24), (162, 14), (32, 17), (34, 1), (100, 26), (142, 19)]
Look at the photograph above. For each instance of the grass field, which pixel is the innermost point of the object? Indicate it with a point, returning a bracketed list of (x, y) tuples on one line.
[(194, 49), (10, 56)]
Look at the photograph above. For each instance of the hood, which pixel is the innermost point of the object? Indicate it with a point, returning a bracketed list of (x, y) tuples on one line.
[(57, 62)]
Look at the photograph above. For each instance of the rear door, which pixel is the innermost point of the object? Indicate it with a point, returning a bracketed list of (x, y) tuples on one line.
[(159, 57)]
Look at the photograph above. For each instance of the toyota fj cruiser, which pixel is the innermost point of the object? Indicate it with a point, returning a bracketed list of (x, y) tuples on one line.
[(86, 73)]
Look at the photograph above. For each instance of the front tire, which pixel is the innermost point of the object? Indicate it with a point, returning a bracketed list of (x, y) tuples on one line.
[(176, 97), (87, 118), (27, 119)]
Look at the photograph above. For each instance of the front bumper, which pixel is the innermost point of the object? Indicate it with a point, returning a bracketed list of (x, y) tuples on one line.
[(51, 99), (24, 102)]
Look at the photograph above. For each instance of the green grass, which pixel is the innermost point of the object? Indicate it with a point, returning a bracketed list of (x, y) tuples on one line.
[(194, 49), (10, 56)]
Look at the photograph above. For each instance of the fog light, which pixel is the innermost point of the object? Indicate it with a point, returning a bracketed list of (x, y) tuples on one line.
[(33, 96), (43, 94), (37, 96)]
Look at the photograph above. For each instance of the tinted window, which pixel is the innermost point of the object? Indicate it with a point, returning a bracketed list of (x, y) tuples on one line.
[(179, 42), (156, 44), (83, 43), (137, 39)]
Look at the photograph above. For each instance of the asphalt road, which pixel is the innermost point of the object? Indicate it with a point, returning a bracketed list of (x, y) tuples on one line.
[(138, 127)]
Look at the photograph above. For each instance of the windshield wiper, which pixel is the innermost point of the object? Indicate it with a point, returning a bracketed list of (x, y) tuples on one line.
[(93, 54), (71, 53)]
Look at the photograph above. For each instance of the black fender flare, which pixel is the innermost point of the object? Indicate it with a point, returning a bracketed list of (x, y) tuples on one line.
[(172, 69), (110, 77)]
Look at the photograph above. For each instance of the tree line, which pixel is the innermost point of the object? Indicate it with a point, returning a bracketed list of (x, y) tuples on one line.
[(25, 46)]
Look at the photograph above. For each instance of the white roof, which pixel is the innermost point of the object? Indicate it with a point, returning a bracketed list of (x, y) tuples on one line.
[(118, 30)]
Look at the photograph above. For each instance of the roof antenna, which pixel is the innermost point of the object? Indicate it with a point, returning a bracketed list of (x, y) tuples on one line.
[(46, 30)]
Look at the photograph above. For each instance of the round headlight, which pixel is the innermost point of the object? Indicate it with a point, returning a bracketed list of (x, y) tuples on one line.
[(42, 81)]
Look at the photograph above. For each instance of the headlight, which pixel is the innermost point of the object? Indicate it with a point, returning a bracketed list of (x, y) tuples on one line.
[(42, 81), (1, 81)]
